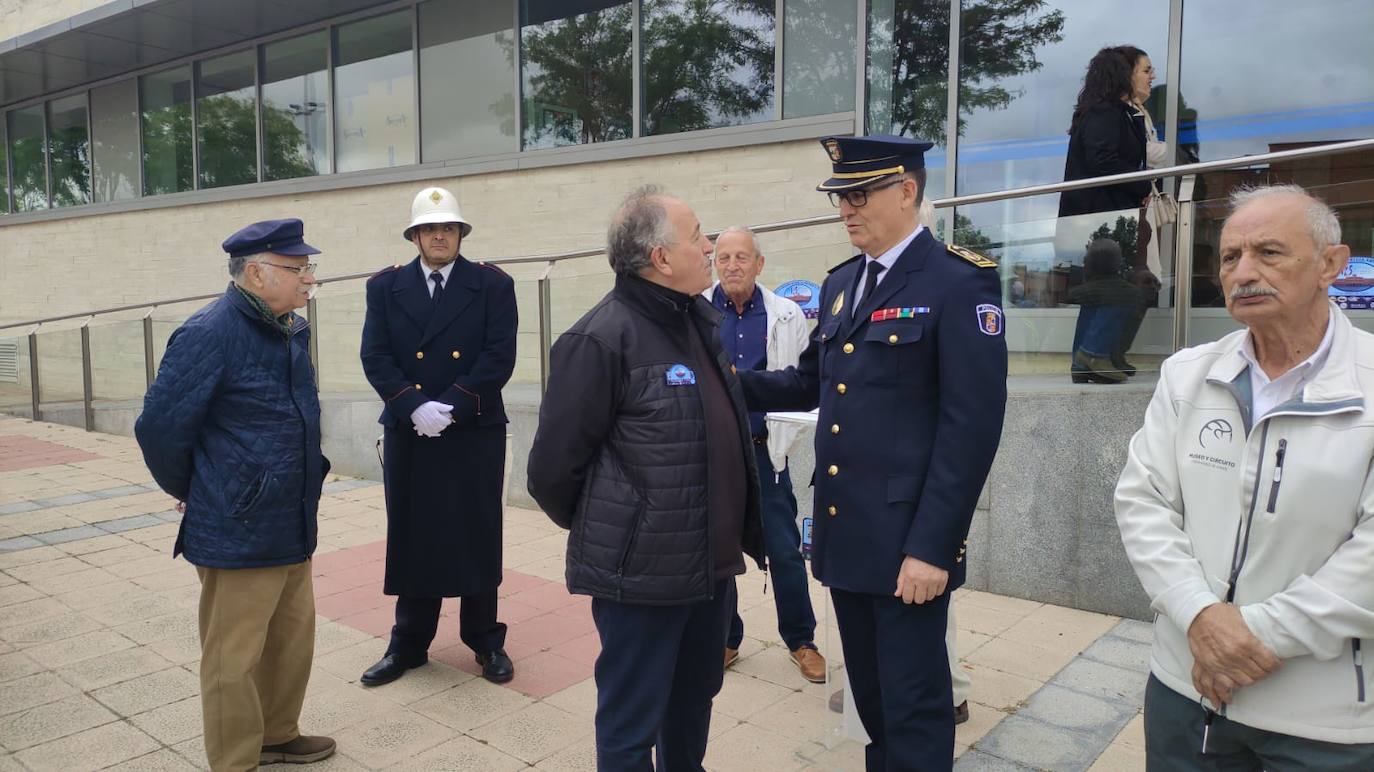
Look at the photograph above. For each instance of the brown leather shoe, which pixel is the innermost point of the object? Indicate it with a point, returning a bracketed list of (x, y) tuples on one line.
[(810, 663), (731, 657), (302, 750), (961, 713)]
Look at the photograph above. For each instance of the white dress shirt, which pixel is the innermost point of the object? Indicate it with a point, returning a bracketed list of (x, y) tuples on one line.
[(425, 271), (887, 259), (1267, 394)]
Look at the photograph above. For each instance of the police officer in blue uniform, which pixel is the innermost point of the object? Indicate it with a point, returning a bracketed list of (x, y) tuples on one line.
[(438, 346), (908, 365)]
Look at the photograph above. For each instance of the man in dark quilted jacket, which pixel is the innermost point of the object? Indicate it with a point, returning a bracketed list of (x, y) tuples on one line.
[(231, 430), (644, 452)]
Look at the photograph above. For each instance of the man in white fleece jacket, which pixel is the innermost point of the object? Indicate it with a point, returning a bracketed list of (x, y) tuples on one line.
[(1247, 508)]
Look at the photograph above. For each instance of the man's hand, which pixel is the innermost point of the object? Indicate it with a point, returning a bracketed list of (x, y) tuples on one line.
[(181, 507), (432, 418), (918, 581), (1226, 655)]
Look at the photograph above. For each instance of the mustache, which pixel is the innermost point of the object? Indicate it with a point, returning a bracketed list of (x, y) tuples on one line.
[(1252, 291)]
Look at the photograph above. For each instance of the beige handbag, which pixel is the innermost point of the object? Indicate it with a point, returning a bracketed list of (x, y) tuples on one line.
[(1162, 208)]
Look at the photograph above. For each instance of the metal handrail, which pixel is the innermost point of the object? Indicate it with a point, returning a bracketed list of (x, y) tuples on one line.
[(1182, 236), (826, 219)]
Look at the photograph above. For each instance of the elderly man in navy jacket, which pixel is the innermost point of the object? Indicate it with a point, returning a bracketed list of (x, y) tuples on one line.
[(231, 429), (908, 365)]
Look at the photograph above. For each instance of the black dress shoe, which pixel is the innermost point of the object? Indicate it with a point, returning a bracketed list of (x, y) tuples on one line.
[(496, 666), (961, 713), (388, 669)]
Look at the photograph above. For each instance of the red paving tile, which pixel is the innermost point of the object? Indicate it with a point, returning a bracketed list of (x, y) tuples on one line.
[(545, 673), (583, 650), (19, 452), (551, 637)]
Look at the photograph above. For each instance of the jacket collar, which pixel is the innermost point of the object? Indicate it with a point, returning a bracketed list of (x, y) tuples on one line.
[(236, 298), (1336, 385), (771, 301)]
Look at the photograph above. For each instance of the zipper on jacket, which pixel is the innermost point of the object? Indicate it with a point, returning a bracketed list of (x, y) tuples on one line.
[(1278, 475), (629, 548), (1359, 669), (1242, 547)]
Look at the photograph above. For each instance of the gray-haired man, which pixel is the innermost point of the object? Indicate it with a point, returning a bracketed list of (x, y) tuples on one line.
[(644, 452)]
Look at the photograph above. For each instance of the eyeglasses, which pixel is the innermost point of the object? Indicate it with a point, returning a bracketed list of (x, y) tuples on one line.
[(858, 198), (300, 270)]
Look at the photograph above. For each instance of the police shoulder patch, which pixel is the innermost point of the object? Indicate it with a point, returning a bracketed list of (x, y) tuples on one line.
[(978, 261), (847, 262)]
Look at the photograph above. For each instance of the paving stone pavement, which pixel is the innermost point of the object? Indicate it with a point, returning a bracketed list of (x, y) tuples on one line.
[(99, 652)]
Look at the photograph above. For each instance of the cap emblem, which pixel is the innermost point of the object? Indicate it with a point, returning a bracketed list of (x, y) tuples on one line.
[(833, 148), (436, 196)]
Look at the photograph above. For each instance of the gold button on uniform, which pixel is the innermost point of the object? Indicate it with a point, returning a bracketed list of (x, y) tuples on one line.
[(832, 510), (456, 355), (849, 348), (834, 428), (892, 338), (833, 470), (419, 355), (841, 388), (418, 387)]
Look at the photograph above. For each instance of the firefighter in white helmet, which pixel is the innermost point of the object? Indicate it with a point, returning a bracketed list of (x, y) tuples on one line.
[(438, 346)]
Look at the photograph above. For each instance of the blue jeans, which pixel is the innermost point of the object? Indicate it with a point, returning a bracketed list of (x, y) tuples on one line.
[(782, 544)]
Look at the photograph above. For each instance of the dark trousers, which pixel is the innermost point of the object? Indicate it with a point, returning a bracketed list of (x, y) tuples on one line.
[(417, 620), (782, 543), (659, 669), (899, 672), (1173, 742)]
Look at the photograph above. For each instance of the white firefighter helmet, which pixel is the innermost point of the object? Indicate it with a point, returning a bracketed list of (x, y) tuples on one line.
[(435, 205)]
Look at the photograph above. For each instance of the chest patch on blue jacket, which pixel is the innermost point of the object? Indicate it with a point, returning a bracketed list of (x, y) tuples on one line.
[(680, 375)]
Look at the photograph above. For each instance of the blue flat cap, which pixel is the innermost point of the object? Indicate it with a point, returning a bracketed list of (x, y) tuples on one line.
[(860, 161), (285, 237)]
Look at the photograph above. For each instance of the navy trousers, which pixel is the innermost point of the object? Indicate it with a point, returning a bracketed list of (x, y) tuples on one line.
[(659, 669), (899, 673), (417, 621), (782, 544)]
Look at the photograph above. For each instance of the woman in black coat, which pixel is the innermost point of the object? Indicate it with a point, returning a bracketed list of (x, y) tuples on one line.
[(1108, 135)]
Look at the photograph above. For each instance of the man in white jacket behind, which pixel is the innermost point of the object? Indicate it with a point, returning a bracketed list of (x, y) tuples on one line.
[(762, 331), (1247, 509)]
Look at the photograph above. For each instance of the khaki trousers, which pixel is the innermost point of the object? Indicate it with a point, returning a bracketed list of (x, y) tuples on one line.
[(257, 639)]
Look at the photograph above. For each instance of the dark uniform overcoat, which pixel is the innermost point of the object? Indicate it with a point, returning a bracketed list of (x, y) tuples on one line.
[(443, 494)]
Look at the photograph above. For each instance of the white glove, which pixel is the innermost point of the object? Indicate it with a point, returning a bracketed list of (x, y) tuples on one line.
[(431, 418)]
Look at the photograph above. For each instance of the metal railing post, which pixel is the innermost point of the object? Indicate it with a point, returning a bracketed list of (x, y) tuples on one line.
[(33, 372), (545, 327), (310, 315), (87, 400), (1183, 260), (148, 347)]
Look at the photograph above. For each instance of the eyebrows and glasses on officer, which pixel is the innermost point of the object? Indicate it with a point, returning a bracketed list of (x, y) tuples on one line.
[(283, 282), (738, 261)]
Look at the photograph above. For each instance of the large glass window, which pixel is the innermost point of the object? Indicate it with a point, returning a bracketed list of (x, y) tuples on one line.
[(575, 62), (226, 120), (473, 114), (1262, 75), (818, 57), (908, 76), (167, 151), (29, 169), (114, 141), (70, 147), (374, 81), (706, 64), (4, 171), (295, 107)]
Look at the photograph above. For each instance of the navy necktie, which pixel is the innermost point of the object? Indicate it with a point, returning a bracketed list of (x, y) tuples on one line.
[(438, 279), (875, 269)]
